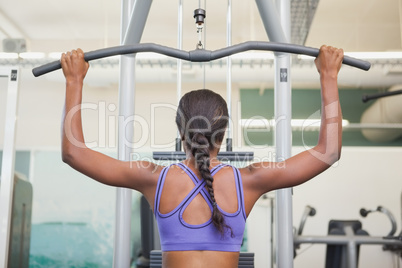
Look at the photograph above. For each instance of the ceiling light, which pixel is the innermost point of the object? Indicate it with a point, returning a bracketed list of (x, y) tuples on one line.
[(32, 55), (55, 55), (4, 55)]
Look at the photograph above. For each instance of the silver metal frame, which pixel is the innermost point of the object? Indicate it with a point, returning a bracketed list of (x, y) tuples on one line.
[(134, 15), (133, 19), (229, 66), (273, 15), (8, 161), (179, 62), (276, 19), (271, 20), (282, 115), (350, 240)]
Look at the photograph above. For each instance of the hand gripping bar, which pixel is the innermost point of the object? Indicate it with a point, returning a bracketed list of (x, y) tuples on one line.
[(199, 55)]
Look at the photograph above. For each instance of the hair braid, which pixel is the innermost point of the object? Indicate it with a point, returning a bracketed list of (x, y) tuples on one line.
[(202, 118), (200, 149)]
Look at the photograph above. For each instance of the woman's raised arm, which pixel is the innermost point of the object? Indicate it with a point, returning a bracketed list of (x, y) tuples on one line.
[(140, 176), (306, 165)]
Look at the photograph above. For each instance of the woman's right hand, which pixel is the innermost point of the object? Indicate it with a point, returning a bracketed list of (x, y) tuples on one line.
[(329, 61)]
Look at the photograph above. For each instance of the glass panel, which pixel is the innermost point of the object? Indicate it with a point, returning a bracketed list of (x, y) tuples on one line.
[(72, 216)]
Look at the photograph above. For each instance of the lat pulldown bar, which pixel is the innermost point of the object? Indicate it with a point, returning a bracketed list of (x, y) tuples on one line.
[(200, 55)]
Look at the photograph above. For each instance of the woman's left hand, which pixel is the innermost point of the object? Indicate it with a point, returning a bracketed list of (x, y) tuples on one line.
[(74, 65)]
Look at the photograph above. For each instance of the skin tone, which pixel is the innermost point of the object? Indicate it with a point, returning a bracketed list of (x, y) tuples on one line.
[(258, 178)]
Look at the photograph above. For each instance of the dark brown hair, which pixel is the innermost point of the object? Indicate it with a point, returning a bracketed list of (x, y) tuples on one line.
[(202, 118)]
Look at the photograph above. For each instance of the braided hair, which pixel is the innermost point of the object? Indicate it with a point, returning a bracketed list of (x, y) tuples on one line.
[(202, 118)]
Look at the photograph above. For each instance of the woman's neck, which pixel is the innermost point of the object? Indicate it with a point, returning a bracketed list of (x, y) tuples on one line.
[(213, 159)]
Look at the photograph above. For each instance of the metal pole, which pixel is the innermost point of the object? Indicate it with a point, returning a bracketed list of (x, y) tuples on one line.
[(283, 142), (179, 65), (136, 20), (276, 20), (351, 255), (271, 20), (8, 162), (229, 70), (133, 18), (179, 46), (205, 45)]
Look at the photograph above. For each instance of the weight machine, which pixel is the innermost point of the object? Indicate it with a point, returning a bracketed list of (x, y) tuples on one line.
[(276, 19), (15, 190), (346, 236)]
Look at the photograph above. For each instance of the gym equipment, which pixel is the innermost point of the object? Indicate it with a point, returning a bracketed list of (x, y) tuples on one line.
[(148, 231), (133, 20), (364, 212), (336, 255), (367, 98), (345, 237), (20, 230), (229, 155), (395, 248), (308, 211), (199, 55), (148, 235), (15, 190), (8, 162)]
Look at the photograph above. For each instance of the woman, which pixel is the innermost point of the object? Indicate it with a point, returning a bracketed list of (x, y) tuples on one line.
[(210, 201)]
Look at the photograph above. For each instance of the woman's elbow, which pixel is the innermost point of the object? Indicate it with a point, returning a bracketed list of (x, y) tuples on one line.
[(330, 155), (339, 154), (334, 157), (67, 157), (68, 154), (339, 150)]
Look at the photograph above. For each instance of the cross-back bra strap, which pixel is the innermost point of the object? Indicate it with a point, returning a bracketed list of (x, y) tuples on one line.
[(239, 188), (193, 193), (195, 178), (162, 177), (159, 187)]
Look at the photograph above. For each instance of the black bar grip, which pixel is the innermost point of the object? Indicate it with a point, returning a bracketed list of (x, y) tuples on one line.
[(367, 98), (200, 55), (46, 68)]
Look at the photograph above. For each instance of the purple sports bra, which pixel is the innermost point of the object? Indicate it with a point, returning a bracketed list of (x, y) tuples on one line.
[(177, 235)]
